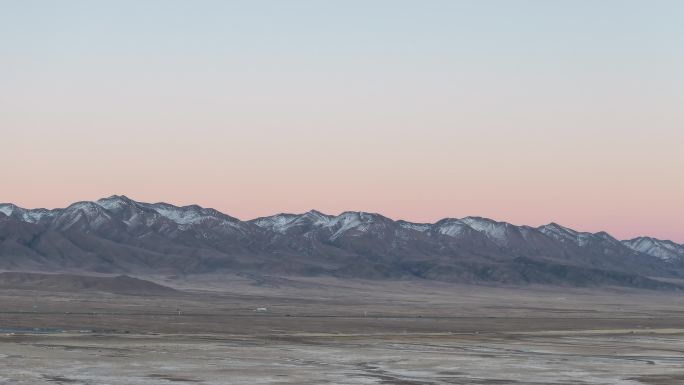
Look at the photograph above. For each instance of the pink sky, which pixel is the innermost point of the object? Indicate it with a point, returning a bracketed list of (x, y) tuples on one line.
[(570, 114), (584, 180)]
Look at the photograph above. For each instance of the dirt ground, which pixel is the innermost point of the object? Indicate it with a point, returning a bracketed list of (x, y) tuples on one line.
[(328, 331)]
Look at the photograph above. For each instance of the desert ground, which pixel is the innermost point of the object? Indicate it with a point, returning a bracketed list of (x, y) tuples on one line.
[(331, 331)]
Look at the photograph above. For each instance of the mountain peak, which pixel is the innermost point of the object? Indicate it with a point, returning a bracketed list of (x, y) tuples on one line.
[(117, 197), (30, 216), (663, 249), (557, 229), (121, 234), (555, 225), (7, 208), (479, 223), (452, 227), (475, 218), (115, 201), (138, 214)]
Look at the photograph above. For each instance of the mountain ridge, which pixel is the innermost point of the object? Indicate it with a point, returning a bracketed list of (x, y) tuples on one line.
[(42, 211), (120, 235)]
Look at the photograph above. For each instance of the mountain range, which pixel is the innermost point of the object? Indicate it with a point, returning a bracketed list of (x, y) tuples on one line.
[(117, 235)]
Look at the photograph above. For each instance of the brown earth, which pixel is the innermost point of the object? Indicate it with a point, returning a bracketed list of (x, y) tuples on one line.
[(317, 331)]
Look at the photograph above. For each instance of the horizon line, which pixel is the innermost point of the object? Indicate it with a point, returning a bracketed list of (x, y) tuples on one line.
[(122, 196)]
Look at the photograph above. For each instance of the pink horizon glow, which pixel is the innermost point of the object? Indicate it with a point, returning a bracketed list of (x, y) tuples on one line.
[(520, 111), (623, 229)]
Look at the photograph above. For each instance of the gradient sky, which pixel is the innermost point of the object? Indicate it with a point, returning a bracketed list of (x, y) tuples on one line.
[(524, 111)]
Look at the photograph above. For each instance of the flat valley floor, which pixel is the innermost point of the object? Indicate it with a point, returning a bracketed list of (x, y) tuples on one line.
[(329, 331)]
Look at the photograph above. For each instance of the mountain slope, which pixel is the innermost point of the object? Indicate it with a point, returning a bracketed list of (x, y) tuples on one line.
[(665, 250), (68, 282), (120, 235)]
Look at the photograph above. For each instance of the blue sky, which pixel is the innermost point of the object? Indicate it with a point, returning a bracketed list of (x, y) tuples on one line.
[(431, 108)]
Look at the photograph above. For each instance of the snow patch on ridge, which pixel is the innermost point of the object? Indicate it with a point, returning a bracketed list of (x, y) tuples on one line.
[(179, 216), (114, 202), (30, 216), (281, 223), (7, 209), (565, 234), (352, 220), (665, 250), (496, 231), (452, 227), (347, 221), (189, 216), (421, 227)]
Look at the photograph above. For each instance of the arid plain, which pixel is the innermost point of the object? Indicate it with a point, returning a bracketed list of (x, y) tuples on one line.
[(330, 331)]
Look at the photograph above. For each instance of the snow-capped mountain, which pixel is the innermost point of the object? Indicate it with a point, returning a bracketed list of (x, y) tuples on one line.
[(30, 216), (132, 212), (83, 216), (665, 250), (118, 234), (450, 227), (600, 243), (285, 223), (501, 233), (565, 234)]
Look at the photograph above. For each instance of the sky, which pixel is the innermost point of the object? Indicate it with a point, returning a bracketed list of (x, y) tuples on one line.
[(522, 111)]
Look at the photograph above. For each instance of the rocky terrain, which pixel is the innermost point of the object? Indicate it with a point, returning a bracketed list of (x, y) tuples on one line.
[(326, 330), (117, 235), (121, 284)]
